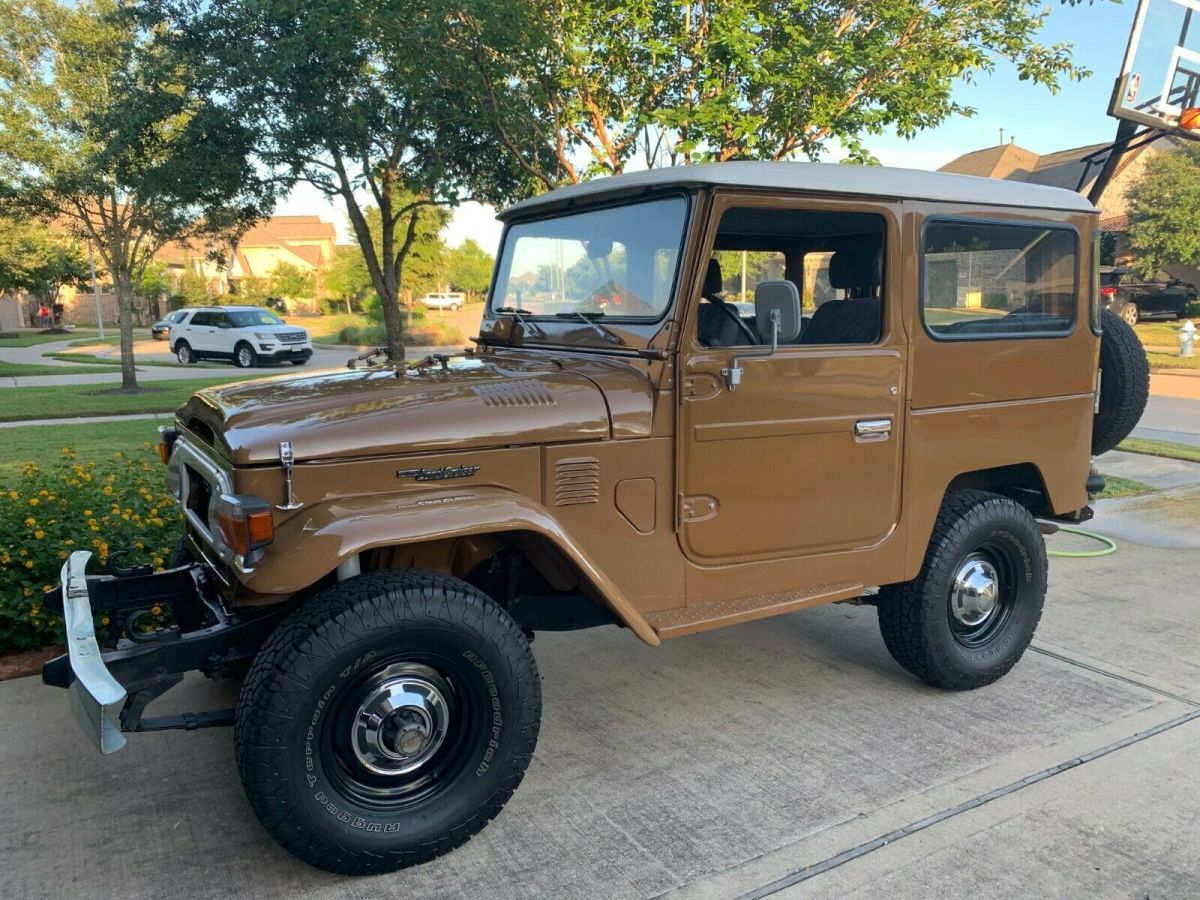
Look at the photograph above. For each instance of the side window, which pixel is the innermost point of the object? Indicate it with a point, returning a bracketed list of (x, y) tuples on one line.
[(202, 318), (821, 270), (983, 280)]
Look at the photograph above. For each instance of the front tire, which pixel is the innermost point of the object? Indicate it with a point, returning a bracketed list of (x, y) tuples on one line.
[(967, 618), (244, 356), (386, 721), (183, 352)]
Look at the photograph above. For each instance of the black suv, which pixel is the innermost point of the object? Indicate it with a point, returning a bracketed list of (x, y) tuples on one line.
[(1133, 297)]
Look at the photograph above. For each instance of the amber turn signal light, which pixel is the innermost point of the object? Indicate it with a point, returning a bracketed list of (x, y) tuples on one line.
[(166, 442), (246, 523), (1190, 118)]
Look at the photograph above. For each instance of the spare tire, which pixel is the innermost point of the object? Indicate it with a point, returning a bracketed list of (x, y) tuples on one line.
[(1124, 383)]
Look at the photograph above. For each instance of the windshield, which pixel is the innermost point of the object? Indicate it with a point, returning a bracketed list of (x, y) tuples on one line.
[(244, 318), (617, 262)]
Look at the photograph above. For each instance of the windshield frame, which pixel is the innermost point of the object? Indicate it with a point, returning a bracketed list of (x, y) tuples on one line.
[(688, 197)]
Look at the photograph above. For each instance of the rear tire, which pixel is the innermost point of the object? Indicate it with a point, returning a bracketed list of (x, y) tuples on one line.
[(386, 721), (1129, 314), (1124, 384), (967, 618)]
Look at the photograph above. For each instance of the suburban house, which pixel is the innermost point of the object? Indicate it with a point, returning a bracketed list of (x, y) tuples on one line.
[(305, 242), (1075, 169)]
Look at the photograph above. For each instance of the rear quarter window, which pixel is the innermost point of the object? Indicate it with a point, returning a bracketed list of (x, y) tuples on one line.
[(984, 280)]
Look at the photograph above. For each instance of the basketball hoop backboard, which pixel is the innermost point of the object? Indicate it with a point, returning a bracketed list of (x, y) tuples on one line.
[(1159, 84)]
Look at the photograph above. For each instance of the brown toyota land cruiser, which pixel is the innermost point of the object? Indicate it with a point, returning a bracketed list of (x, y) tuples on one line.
[(699, 396)]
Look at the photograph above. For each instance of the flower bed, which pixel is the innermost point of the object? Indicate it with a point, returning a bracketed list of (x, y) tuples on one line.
[(48, 511)]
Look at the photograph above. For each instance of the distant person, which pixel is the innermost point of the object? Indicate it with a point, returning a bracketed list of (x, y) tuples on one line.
[(59, 311), (44, 315)]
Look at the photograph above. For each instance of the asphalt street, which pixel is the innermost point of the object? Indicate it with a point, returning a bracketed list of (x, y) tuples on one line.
[(786, 757)]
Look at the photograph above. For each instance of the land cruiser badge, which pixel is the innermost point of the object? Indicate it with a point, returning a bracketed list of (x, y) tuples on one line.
[(442, 474)]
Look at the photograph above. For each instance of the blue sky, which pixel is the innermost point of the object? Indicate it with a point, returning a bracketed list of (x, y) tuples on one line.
[(1038, 120)]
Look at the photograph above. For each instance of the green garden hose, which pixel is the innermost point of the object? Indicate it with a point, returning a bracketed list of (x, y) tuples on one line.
[(1110, 546)]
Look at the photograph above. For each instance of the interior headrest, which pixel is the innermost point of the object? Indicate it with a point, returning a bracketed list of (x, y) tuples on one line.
[(854, 268), (783, 296), (713, 282)]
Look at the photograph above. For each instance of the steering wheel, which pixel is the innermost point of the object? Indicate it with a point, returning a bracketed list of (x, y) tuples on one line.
[(730, 311)]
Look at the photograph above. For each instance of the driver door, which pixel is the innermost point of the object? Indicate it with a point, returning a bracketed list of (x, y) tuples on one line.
[(802, 457)]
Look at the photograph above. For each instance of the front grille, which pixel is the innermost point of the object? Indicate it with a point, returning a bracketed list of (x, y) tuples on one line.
[(292, 337)]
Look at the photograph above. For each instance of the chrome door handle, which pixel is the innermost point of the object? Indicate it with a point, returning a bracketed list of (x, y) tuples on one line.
[(868, 427)]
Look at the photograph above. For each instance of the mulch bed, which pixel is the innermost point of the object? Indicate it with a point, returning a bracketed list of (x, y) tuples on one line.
[(27, 662)]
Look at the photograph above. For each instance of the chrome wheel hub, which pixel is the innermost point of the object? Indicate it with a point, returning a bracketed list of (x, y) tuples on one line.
[(402, 720), (974, 595)]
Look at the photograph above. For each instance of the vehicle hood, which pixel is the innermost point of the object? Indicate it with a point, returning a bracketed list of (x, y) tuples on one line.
[(476, 402)]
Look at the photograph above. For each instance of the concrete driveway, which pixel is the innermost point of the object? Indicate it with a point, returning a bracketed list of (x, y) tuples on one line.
[(788, 757)]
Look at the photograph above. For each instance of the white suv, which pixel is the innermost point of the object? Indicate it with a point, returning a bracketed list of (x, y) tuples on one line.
[(443, 301), (247, 335)]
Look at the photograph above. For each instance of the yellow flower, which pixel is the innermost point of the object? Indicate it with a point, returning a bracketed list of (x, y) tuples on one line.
[(104, 620), (33, 501), (14, 495), (29, 563), (107, 490), (156, 610), (28, 592), (31, 521), (87, 513), (39, 534)]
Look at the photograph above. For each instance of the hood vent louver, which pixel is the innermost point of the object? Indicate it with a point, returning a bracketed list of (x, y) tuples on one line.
[(518, 392), (577, 480)]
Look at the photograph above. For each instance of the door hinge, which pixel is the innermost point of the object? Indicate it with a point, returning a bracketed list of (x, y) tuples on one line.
[(697, 508)]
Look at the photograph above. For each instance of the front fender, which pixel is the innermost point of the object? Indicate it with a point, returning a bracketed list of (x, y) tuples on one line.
[(315, 541)]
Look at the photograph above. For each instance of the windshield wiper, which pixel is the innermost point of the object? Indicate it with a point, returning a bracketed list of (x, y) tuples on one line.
[(610, 336), (516, 312)]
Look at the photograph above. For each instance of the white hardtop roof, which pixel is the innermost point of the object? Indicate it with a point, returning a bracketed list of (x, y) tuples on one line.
[(821, 178)]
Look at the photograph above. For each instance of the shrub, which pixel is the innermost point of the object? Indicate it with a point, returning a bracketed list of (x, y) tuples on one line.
[(120, 504)]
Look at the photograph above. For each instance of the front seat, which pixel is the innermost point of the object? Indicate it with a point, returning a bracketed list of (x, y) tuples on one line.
[(715, 319), (856, 319)]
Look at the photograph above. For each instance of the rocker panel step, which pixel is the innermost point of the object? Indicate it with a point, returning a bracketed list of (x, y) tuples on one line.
[(670, 623)]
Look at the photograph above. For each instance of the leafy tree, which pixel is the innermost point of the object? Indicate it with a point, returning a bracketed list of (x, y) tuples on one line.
[(155, 281), (575, 89), (469, 267), (1164, 210), (287, 280), (253, 290), (354, 99), (348, 278), (99, 131), (35, 259), (193, 287)]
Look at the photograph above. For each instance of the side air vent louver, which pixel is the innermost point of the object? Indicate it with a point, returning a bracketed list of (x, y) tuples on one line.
[(577, 480), (518, 392)]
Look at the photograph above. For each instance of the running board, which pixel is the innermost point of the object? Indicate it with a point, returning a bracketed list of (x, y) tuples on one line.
[(670, 623)]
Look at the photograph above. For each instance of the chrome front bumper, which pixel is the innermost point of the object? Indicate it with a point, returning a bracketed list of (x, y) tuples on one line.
[(96, 696)]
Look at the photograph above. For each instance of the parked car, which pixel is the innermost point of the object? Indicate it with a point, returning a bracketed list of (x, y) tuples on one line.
[(443, 301), (245, 335), (375, 548), (161, 330), (1133, 297)]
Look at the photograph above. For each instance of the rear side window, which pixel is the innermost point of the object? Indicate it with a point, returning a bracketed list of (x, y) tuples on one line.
[(985, 280)]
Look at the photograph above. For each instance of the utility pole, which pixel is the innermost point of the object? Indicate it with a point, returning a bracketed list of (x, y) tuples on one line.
[(95, 288), (743, 297)]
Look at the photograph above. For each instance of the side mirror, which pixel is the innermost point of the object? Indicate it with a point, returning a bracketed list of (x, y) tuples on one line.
[(733, 372)]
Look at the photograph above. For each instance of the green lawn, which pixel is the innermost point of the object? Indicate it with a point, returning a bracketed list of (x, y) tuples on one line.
[(31, 403), (1160, 448), (1172, 361), (15, 370), (32, 339), (91, 441), (1158, 334), (1115, 486)]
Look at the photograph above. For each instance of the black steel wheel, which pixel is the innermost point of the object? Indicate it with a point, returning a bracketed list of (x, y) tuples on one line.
[(967, 618), (386, 721)]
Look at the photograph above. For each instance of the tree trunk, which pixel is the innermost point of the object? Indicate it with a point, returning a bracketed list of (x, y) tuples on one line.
[(124, 287)]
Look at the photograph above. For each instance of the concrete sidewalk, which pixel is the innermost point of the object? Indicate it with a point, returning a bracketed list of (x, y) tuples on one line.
[(786, 755)]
